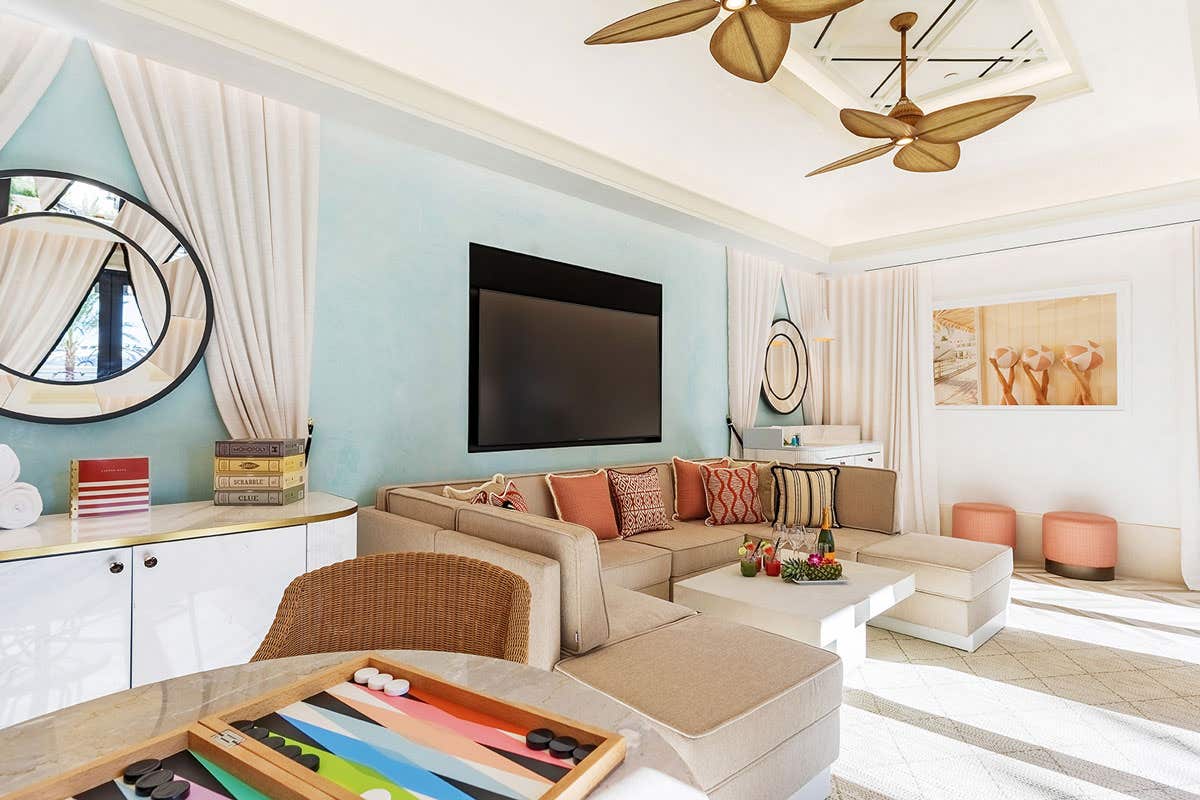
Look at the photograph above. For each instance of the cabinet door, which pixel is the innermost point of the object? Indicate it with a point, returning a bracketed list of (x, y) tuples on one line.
[(332, 541), (206, 603), (64, 631), (869, 460), (845, 461)]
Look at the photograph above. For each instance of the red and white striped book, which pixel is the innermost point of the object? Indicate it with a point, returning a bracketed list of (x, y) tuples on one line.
[(102, 486)]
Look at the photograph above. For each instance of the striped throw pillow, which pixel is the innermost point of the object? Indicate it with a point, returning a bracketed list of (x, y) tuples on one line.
[(802, 493)]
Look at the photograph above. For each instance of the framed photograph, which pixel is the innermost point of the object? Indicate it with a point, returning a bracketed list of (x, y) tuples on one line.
[(1058, 349)]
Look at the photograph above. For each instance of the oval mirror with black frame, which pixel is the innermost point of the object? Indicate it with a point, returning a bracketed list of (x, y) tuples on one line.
[(785, 367), (106, 306)]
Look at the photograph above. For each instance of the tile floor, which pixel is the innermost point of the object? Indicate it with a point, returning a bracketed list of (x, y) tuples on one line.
[(1092, 691)]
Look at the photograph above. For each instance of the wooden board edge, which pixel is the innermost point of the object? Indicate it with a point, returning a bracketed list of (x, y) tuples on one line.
[(263, 768)]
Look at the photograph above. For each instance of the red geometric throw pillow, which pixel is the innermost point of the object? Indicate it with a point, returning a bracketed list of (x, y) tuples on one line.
[(639, 501), (511, 498), (732, 494)]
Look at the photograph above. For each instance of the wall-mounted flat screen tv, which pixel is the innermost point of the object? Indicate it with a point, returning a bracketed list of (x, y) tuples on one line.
[(561, 356)]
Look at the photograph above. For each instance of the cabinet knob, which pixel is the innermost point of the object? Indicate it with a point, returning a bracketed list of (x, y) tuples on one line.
[(151, 562), (116, 568)]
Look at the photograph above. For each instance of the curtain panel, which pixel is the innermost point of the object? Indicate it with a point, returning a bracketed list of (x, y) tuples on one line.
[(237, 173), (753, 289), (1189, 417), (881, 377), (805, 296), (30, 58)]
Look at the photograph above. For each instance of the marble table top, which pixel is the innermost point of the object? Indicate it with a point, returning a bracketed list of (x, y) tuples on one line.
[(40, 748)]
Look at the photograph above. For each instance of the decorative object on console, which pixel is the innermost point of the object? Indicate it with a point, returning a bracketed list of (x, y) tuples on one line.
[(472, 494), (1087, 327), (731, 494), (259, 448), (1005, 357), (262, 497), (639, 502), (750, 44), (261, 480), (690, 502), (20, 503), (511, 498), (77, 348), (1038, 359), (785, 368), (803, 493), (928, 143), (102, 486), (585, 500)]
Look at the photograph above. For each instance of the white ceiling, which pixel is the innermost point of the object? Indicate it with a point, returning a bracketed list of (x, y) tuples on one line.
[(666, 111)]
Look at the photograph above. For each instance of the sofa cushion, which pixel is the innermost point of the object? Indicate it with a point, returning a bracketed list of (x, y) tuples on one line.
[(951, 615), (688, 483), (731, 494), (695, 547), (632, 613), (583, 616), (633, 565), (638, 499), (958, 568), (423, 506), (585, 500), (866, 499), (723, 694)]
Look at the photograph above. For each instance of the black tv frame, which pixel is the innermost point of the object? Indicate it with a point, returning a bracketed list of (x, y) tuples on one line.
[(532, 276)]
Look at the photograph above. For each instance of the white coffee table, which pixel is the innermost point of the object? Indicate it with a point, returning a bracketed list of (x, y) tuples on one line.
[(831, 616)]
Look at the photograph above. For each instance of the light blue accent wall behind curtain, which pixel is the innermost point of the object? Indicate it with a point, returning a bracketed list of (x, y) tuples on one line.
[(389, 390)]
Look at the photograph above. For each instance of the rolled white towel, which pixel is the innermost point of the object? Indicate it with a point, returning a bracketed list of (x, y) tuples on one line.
[(10, 466), (20, 506)]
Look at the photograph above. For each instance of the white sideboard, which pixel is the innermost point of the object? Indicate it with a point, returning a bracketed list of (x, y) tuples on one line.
[(97, 606), (820, 444)]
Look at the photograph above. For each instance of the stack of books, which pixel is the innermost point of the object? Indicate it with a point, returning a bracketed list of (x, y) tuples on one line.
[(258, 472), (104, 486)]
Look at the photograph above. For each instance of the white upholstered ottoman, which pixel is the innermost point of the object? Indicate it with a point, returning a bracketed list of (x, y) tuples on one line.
[(962, 588)]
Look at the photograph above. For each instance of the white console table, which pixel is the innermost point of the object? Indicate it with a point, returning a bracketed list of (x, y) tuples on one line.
[(94, 606), (820, 444)]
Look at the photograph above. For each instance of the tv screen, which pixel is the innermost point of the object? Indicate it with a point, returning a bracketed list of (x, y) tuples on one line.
[(561, 355)]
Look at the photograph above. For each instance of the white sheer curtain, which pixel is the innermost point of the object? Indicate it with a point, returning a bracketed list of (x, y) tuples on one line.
[(753, 290), (881, 377), (237, 173), (1189, 407), (805, 295), (159, 243), (49, 190), (30, 57), (43, 279)]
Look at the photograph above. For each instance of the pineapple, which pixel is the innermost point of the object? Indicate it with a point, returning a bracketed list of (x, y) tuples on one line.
[(792, 570), (795, 569)]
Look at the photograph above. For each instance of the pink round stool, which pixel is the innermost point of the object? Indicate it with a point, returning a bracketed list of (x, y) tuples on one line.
[(1080, 545), (985, 522)]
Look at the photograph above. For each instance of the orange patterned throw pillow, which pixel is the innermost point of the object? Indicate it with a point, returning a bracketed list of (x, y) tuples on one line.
[(510, 498), (585, 500), (639, 501), (689, 488), (732, 494)]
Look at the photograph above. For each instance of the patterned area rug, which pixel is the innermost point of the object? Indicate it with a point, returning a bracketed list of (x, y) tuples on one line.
[(1092, 691)]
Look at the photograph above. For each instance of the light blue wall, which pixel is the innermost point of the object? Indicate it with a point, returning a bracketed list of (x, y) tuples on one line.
[(390, 357)]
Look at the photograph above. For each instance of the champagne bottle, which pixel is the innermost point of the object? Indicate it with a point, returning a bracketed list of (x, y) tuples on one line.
[(825, 544)]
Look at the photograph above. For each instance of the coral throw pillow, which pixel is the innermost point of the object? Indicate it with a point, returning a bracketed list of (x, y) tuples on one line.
[(639, 501), (475, 494), (585, 500), (732, 494), (689, 488), (511, 498)]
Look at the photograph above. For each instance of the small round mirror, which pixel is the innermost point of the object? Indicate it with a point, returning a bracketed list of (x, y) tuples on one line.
[(785, 367)]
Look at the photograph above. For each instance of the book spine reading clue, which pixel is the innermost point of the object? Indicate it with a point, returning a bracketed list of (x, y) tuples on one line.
[(259, 466), (259, 448), (103, 486), (241, 481), (259, 498)]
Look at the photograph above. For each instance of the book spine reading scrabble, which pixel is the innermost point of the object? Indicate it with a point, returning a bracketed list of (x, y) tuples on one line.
[(253, 472), (105, 486)]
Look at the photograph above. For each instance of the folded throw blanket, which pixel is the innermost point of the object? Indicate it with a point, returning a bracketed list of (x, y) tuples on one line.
[(20, 506)]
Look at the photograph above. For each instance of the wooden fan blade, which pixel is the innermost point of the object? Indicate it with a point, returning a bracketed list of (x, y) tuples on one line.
[(672, 19), (751, 44), (956, 123), (870, 125), (921, 156), (804, 10), (857, 158)]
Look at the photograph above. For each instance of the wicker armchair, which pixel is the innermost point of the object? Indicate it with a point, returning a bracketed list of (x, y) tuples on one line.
[(406, 601)]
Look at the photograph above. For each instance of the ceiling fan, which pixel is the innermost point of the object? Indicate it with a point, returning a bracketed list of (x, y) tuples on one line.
[(927, 142), (751, 43)]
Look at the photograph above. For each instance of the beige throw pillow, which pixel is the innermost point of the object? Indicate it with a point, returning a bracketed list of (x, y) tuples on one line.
[(495, 485)]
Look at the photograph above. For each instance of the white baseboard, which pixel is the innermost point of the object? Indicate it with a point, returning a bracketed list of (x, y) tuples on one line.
[(969, 643), (1148, 552), (819, 788)]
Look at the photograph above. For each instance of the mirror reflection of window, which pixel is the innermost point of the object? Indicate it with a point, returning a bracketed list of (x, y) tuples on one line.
[(84, 200), (23, 196)]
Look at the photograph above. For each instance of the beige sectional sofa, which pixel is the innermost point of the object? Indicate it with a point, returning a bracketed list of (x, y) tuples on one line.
[(601, 613)]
